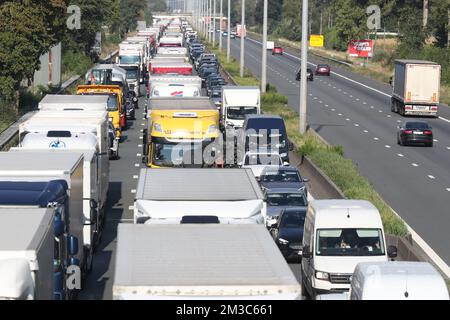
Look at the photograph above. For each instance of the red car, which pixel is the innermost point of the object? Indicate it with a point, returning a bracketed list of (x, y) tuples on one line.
[(323, 69), (277, 50)]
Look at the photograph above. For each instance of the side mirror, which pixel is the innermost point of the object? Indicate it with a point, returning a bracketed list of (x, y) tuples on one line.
[(306, 253), (305, 180), (72, 245), (285, 164), (392, 252)]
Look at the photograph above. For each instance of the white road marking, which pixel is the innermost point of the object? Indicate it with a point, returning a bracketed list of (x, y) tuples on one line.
[(138, 155), (364, 102), (380, 111), (400, 155), (357, 99), (365, 131), (435, 140), (371, 107), (141, 137), (448, 189), (399, 121), (388, 146), (334, 87), (137, 165), (375, 138), (414, 164), (431, 177), (326, 105), (356, 125), (333, 109), (340, 114), (389, 116), (347, 119), (131, 208), (135, 177), (139, 145), (133, 190)]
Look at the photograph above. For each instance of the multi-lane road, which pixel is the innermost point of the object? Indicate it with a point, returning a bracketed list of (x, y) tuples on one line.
[(353, 111)]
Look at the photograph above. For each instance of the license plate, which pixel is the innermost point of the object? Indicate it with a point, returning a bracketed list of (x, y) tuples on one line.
[(420, 107), (296, 247), (417, 132)]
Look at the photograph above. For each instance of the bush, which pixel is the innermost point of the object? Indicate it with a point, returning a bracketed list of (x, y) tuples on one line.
[(75, 63)]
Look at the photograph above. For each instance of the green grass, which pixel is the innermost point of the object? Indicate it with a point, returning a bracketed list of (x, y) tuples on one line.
[(329, 159)]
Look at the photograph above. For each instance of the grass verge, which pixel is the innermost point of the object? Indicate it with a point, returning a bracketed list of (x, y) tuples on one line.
[(329, 159)]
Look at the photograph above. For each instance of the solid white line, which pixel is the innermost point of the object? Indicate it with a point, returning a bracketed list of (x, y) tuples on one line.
[(431, 177)]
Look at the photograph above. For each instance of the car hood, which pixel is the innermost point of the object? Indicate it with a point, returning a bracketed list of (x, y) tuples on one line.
[(342, 264), (293, 235), (282, 185)]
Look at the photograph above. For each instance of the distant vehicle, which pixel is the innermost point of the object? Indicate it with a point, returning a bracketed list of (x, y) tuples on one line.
[(232, 36), (416, 86), (280, 199), (415, 132), (216, 96), (225, 34), (214, 82), (323, 69), (277, 50), (288, 231), (258, 160), (270, 45), (309, 74), (283, 177)]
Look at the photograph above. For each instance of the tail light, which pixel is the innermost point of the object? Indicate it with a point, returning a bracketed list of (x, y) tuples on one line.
[(428, 132), (408, 107), (434, 108), (407, 131)]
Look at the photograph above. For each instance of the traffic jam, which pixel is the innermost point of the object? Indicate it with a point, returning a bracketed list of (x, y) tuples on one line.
[(219, 211)]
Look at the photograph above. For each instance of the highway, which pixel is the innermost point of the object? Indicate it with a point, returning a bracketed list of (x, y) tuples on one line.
[(354, 111)]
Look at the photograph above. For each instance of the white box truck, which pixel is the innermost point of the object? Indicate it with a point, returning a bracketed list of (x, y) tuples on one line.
[(394, 280), (27, 245), (200, 262), (237, 101), (56, 102), (94, 196), (339, 234), (173, 196), (416, 87), (41, 166)]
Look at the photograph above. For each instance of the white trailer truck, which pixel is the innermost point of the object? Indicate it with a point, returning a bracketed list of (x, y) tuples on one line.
[(200, 262), (173, 196), (238, 101), (416, 86), (42, 166)]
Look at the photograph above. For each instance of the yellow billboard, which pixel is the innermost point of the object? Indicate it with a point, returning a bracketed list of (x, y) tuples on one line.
[(316, 40)]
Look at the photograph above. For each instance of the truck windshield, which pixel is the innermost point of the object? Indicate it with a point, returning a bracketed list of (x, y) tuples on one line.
[(132, 74), (238, 113), (286, 199), (113, 103), (177, 155), (129, 60), (349, 242)]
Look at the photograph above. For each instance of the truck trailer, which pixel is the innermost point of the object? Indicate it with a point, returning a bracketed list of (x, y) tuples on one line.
[(200, 262), (416, 87)]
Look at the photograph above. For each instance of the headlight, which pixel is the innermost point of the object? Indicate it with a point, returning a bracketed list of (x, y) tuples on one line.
[(282, 241), (283, 154), (157, 127), (322, 275), (212, 129)]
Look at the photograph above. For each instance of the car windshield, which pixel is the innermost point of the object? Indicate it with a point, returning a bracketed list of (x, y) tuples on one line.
[(286, 199), (132, 74), (293, 219), (416, 125), (169, 155), (349, 242), (280, 176), (238, 113), (216, 94), (113, 103), (262, 159), (129, 59), (322, 66)]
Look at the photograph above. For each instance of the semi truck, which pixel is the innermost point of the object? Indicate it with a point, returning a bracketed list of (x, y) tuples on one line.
[(238, 101), (133, 54), (27, 177), (170, 80), (200, 262), (225, 196), (416, 87), (34, 252), (178, 129)]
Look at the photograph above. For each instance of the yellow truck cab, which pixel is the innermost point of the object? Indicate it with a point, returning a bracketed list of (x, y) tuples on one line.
[(116, 109), (178, 131)]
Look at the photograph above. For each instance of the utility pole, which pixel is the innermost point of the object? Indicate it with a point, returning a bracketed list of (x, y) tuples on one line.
[(220, 25), (425, 13), (264, 50), (214, 25), (229, 31), (304, 60), (241, 72), (321, 17)]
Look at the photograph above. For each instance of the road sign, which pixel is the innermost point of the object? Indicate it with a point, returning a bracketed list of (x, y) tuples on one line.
[(316, 40)]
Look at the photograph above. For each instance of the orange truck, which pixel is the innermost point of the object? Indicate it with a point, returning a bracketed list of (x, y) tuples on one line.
[(116, 106)]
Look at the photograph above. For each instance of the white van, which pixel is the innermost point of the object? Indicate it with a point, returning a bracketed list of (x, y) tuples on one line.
[(338, 235), (394, 280)]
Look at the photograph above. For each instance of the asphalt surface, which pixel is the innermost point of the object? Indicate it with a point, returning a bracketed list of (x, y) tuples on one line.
[(414, 181)]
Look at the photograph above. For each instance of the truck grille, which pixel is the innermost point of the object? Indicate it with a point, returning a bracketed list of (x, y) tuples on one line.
[(340, 278)]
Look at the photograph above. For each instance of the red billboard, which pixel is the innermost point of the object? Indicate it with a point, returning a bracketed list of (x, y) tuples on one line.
[(360, 48)]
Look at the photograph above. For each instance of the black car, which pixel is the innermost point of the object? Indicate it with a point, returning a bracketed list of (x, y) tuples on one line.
[(309, 75), (207, 65), (415, 132), (205, 72), (130, 110), (288, 231), (214, 82)]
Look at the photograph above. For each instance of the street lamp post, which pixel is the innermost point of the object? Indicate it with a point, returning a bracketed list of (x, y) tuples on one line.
[(220, 25), (214, 25), (241, 73), (264, 51), (229, 31), (303, 72)]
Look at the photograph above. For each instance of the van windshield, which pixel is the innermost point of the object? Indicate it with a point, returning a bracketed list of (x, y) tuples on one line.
[(238, 113), (349, 242)]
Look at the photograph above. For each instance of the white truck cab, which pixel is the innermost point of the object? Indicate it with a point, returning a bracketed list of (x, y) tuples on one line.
[(338, 235), (237, 101)]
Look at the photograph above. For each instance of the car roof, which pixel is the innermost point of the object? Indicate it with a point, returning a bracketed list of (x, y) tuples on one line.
[(286, 168)]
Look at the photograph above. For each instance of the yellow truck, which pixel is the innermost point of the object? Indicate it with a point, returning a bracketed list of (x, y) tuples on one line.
[(178, 132), (116, 107)]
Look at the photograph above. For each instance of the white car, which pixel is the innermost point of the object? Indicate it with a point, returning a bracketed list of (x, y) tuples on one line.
[(259, 160)]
